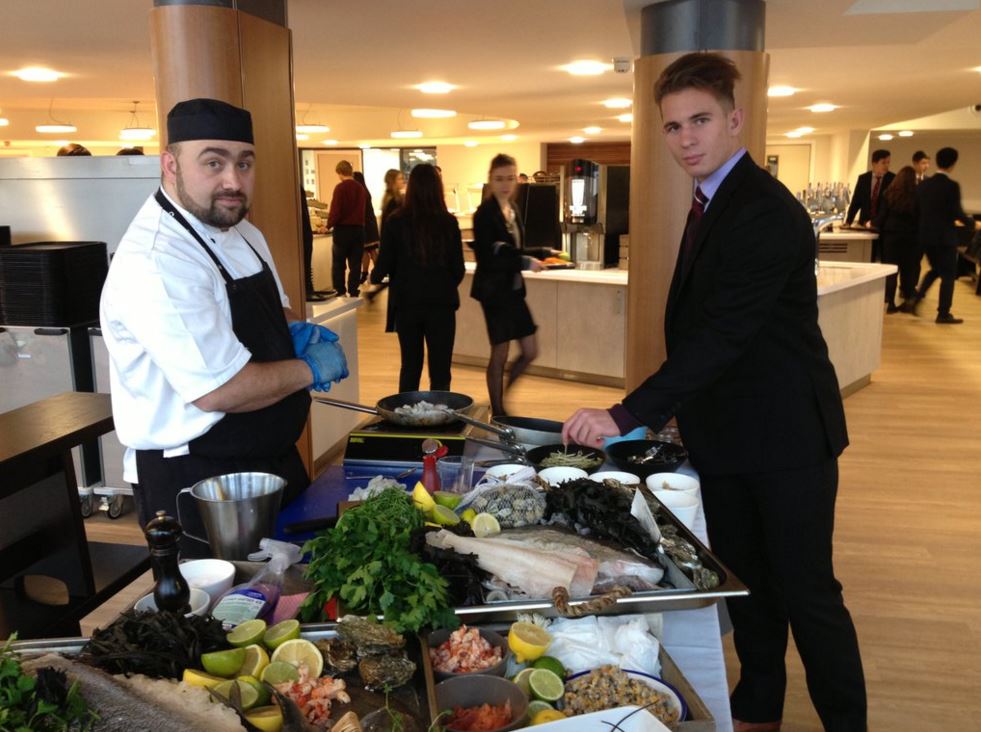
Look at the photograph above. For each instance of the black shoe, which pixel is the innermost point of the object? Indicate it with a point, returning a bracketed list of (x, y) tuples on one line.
[(314, 296), (326, 293), (907, 306), (948, 319), (892, 308), (915, 306)]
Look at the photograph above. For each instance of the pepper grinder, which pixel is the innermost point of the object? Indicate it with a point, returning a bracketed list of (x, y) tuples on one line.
[(171, 591)]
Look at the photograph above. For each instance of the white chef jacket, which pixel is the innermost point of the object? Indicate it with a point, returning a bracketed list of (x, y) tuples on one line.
[(167, 324)]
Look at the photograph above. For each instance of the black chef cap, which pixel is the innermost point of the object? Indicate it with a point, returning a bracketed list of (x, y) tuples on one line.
[(208, 119)]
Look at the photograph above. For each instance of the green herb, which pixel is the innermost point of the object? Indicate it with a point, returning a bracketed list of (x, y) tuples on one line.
[(45, 703), (365, 562)]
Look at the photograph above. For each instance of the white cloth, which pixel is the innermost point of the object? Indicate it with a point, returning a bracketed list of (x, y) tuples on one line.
[(167, 324)]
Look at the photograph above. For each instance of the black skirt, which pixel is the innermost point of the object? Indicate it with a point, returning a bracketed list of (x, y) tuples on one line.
[(508, 321)]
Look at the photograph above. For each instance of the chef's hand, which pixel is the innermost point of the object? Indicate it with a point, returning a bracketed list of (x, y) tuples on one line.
[(304, 333), (589, 427), (327, 362)]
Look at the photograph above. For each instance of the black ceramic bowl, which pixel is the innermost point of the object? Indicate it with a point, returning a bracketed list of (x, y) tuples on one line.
[(668, 459), (472, 690), (538, 454), (439, 637)]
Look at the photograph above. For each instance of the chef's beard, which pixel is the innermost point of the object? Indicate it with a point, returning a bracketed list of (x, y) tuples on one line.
[(214, 215)]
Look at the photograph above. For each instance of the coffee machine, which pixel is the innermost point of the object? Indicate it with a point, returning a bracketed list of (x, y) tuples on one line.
[(595, 212)]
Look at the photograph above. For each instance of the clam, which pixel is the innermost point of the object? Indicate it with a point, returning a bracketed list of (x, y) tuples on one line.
[(381, 672), (368, 637)]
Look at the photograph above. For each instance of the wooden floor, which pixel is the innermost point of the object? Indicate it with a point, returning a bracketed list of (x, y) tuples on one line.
[(908, 537)]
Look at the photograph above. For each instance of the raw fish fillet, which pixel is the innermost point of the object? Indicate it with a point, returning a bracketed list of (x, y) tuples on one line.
[(532, 571)]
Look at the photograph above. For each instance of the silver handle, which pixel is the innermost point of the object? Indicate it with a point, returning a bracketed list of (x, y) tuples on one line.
[(181, 521), (502, 446), (353, 406), (504, 432)]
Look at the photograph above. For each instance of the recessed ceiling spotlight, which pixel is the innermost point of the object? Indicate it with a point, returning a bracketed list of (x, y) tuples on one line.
[(592, 130), (433, 113), (906, 133), (781, 91), (586, 67), (301, 137), (617, 103), (470, 143), (4, 121), (823, 107), (313, 129), (800, 132), (509, 138), (627, 118), (56, 129), (577, 140), (487, 124), (435, 87), (329, 142), (885, 136), (405, 134), (38, 73)]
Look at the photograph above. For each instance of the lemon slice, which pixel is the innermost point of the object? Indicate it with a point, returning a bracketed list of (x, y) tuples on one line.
[(267, 719), (256, 659), (199, 678), (547, 715), (300, 651), (522, 680), (421, 499), (223, 663), (280, 633), (484, 525), (528, 642), (545, 685), (247, 633), (469, 515), (249, 695), (279, 672)]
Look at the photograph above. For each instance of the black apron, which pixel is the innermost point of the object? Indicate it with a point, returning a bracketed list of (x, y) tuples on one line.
[(263, 440)]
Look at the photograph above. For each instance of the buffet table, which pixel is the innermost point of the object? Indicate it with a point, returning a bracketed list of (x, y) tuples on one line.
[(846, 245)]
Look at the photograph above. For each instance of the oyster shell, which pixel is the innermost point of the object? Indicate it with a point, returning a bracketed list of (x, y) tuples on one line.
[(369, 638), (380, 672), (338, 654)]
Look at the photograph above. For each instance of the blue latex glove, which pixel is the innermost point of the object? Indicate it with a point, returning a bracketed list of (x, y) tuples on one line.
[(323, 334), (327, 362), (301, 332)]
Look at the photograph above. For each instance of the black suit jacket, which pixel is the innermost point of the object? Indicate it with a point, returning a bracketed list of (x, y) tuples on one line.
[(747, 372), (939, 200), (500, 259), (862, 197)]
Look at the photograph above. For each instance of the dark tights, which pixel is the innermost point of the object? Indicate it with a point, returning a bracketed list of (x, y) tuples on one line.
[(495, 369)]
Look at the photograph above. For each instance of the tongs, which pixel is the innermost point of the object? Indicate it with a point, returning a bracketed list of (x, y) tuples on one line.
[(650, 454)]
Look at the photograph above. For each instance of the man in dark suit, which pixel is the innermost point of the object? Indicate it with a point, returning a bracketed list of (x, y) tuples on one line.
[(921, 164), (869, 189), (757, 403), (939, 199)]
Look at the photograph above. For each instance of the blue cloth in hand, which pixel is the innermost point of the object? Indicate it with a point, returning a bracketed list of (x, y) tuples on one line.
[(327, 362), (639, 433)]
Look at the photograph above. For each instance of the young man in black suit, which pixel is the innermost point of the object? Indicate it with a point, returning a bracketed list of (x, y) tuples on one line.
[(869, 189), (939, 199), (757, 403)]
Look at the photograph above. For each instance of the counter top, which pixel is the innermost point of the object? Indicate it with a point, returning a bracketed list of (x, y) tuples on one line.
[(848, 235), (834, 276), (611, 276), (321, 312)]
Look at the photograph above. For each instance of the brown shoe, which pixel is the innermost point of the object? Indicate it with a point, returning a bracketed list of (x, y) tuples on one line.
[(739, 726)]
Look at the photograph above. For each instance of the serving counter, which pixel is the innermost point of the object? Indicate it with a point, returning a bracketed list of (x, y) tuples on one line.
[(846, 245)]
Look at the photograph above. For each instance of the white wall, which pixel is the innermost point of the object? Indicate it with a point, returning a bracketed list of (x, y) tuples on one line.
[(468, 166)]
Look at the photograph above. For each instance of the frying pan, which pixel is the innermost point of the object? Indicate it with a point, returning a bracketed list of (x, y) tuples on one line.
[(385, 408), (531, 430)]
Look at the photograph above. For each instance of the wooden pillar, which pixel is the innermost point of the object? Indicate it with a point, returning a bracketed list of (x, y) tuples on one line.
[(660, 191), (240, 51)]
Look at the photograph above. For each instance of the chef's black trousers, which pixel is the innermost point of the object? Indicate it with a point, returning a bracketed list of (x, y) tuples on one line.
[(774, 531), (346, 253), (943, 266), (434, 326)]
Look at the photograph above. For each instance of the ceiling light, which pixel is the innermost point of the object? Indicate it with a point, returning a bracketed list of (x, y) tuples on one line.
[(906, 133), (509, 138), (617, 103), (781, 91), (405, 134), (795, 133), (56, 129), (37, 73), (577, 140), (823, 107), (329, 142), (628, 117), (4, 121), (301, 137), (586, 67), (433, 113), (593, 130), (487, 124), (435, 87), (314, 129), (885, 136), (365, 146), (133, 129), (470, 143), (800, 132)]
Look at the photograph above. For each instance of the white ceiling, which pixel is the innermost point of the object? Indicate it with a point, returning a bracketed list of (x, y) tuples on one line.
[(355, 63)]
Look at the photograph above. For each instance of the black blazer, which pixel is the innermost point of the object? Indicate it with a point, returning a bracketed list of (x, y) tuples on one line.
[(747, 372), (862, 197), (499, 258), (898, 227), (939, 198), (412, 284)]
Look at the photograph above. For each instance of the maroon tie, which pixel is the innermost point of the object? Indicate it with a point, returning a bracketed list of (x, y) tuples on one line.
[(698, 202), (874, 206)]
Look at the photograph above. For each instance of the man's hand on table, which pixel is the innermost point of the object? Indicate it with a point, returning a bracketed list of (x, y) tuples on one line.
[(589, 427)]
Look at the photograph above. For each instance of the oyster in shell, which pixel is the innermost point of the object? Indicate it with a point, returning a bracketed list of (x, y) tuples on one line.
[(368, 637), (380, 672), (338, 654)]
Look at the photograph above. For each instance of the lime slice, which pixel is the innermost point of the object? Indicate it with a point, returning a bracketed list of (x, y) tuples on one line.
[(536, 706), (247, 633), (300, 652), (267, 719), (280, 633), (278, 672), (249, 695), (522, 680), (545, 685), (469, 515), (485, 525), (445, 498), (444, 516), (261, 689), (552, 664), (256, 659), (199, 678), (223, 663)]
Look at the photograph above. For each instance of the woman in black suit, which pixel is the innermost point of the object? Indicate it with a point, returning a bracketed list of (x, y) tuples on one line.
[(422, 254), (897, 221), (371, 237), (497, 282)]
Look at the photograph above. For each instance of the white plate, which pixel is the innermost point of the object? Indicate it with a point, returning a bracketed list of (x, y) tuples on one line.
[(642, 721)]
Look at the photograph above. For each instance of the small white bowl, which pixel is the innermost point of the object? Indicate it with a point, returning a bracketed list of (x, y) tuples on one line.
[(625, 478), (673, 482), (214, 576), (199, 603), (503, 472), (554, 476), (682, 505)]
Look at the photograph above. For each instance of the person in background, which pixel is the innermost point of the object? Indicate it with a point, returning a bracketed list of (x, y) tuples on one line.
[(394, 193), (371, 237), (921, 164), (130, 151), (897, 224), (346, 218), (306, 231), (73, 149), (939, 200), (497, 282), (869, 188), (522, 177), (422, 254), (757, 403), (207, 376)]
